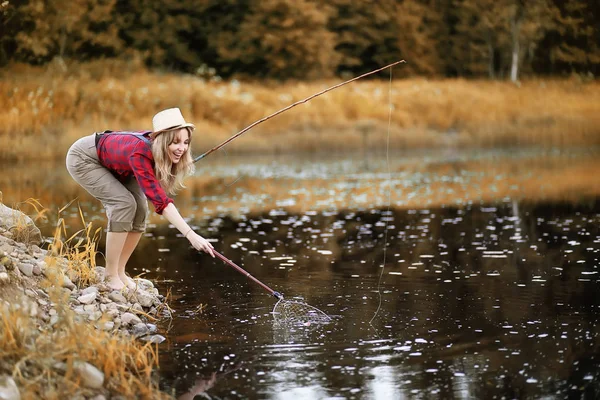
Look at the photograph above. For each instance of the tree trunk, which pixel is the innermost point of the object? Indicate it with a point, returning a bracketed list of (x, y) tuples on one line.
[(514, 68), (491, 61), (515, 25)]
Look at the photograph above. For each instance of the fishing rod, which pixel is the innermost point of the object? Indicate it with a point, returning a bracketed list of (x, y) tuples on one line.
[(246, 129)]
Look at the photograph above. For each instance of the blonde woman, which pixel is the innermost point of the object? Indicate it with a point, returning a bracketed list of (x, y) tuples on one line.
[(125, 169)]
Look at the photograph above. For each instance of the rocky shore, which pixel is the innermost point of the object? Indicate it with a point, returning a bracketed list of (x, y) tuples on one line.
[(48, 291)]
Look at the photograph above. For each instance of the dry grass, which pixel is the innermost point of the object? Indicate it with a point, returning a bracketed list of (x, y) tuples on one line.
[(44, 110), (43, 358), (79, 249), (42, 362)]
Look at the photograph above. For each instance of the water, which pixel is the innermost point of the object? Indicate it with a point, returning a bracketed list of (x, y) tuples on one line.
[(452, 275)]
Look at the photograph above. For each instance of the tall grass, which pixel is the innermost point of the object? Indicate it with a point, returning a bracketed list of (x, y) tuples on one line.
[(42, 111)]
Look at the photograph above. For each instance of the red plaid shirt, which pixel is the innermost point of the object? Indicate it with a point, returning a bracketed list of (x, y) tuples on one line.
[(126, 155)]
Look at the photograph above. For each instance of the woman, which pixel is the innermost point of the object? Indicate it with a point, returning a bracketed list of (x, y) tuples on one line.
[(123, 170)]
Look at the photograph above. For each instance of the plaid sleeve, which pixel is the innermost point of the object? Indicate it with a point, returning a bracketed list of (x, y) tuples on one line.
[(141, 164)]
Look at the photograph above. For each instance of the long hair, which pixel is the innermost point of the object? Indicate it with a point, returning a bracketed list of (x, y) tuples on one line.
[(171, 175)]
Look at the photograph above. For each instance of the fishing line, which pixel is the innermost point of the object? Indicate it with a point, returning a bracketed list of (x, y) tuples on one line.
[(389, 174)]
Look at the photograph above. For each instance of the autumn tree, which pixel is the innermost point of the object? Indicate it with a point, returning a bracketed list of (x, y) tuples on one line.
[(573, 41), (366, 34), (277, 39), (419, 33), (80, 29), (159, 31)]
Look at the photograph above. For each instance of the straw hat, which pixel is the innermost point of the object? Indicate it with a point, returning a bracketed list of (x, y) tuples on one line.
[(168, 119)]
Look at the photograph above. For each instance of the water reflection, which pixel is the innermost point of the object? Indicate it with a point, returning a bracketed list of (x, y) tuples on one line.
[(488, 287)]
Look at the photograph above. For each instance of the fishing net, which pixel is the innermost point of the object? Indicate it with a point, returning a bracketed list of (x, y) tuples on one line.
[(298, 313)]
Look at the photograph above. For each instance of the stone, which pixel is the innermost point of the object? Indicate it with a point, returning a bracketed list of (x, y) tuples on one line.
[(87, 298), (90, 308), (4, 278), (108, 325), (94, 316), (26, 269), (6, 249), (140, 329), (8, 388), (117, 297), (20, 225), (145, 299), (91, 289), (91, 376), (67, 283), (144, 283), (37, 270), (154, 339), (130, 319)]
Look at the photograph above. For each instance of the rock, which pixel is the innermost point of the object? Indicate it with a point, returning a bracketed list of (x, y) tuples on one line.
[(26, 269), (8, 388), (87, 298), (98, 397), (144, 283), (112, 314), (91, 289), (91, 376), (107, 326), (154, 339), (67, 283), (6, 249), (100, 271), (4, 278), (20, 225), (130, 319), (94, 316), (90, 308), (37, 270), (145, 299), (140, 329), (117, 297)]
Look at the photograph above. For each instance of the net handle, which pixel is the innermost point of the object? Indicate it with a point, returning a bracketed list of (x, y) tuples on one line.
[(227, 261)]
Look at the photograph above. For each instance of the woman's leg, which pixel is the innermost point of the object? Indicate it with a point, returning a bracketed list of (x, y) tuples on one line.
[(131, 241), (115, 244), (139, 226)]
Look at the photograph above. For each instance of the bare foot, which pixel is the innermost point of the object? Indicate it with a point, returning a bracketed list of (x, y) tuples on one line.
[(128, 281), (114, 282)]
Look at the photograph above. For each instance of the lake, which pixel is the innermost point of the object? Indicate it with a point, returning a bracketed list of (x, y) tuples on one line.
[(447, 274)]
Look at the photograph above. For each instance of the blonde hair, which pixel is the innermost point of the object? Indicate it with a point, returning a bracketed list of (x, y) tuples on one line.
[(171, 175)]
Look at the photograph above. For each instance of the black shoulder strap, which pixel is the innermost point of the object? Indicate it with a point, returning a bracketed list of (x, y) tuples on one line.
[(137, 134)]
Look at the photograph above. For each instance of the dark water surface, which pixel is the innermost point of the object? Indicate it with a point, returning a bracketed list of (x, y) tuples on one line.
[(464, 276)]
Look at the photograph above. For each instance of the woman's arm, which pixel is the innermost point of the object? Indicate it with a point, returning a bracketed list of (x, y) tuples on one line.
[(198, 242)]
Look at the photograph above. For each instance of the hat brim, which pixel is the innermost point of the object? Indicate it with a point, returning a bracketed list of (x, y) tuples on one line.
[(186, 125)]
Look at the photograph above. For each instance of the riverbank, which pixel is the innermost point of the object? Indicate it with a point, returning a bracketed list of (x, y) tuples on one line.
[(63, 333), (43, 110)]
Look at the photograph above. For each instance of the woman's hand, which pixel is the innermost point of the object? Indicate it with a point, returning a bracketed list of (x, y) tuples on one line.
[(199, 243)]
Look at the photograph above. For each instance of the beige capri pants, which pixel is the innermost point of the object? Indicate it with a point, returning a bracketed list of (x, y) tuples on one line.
[(125, 203)]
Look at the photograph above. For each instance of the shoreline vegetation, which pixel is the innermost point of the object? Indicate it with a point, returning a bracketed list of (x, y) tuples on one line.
[(63, 334), (43, 110)]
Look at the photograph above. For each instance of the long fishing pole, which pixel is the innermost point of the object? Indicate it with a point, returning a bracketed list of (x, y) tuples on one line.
[(246, 129)]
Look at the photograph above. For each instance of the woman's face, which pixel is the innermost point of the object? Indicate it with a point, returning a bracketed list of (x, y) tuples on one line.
[(179, 146)]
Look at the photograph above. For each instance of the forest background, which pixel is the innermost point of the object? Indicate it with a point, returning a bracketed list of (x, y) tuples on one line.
[(490, 71)]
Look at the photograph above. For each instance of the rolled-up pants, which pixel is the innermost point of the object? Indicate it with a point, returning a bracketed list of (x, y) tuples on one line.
[(125, 204)]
